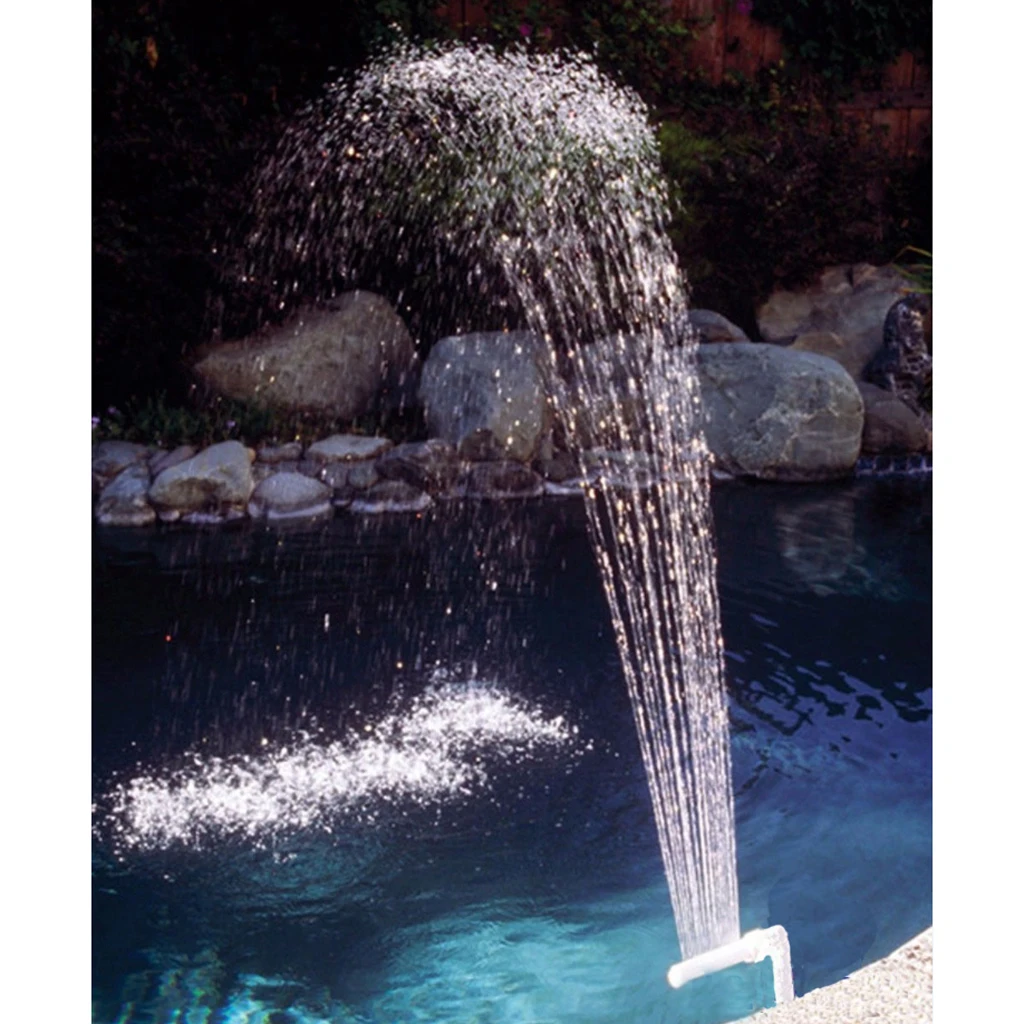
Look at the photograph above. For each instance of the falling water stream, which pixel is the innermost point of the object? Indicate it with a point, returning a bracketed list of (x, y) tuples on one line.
[(525, 187)]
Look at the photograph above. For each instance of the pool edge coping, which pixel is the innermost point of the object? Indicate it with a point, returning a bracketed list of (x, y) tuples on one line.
[(896, 989)]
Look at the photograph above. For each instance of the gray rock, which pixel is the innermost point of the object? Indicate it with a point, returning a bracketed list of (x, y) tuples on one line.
[(347, 447), (164, 460), (275, 454), (890, 425), (343, 358), (485, 394), (849, 301), (123, 501), (350, 476), (362, 475), (391, 496), (777, 414), (289, 496), (713, 327), (505, 479), (216, 483), (427, 465), (109, 458)]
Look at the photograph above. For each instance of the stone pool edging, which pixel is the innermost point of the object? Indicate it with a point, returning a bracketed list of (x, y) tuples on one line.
[(141, 485), (896, 989)]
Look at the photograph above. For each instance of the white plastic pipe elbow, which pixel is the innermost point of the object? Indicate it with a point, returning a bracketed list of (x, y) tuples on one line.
[(770, 942)]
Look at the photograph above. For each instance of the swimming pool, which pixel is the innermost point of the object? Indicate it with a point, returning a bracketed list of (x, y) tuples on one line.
[(531, 888)]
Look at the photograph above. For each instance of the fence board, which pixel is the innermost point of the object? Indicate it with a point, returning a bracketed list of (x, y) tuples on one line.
[(729, 41)]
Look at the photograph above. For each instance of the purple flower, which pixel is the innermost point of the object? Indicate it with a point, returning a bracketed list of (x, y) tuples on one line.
[(231, 424), (525, 30), (95, 422)]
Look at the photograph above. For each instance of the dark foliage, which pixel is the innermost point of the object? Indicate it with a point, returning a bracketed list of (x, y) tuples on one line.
[(845, 39), (770, 186), (636, 42), (185, 96), (188, 95)]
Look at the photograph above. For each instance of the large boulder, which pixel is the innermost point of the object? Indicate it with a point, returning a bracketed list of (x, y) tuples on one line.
[(777, 414), (850, 302), (215, 483), (342, 358), (485, 394), (891, 427)]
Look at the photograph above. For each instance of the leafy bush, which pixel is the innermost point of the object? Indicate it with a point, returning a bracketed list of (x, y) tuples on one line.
[(637, 42)]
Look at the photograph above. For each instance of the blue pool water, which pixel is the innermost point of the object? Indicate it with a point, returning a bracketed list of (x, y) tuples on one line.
[(533, 892)]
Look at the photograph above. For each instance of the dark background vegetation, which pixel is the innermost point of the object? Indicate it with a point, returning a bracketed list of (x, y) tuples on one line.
[(769, 182)]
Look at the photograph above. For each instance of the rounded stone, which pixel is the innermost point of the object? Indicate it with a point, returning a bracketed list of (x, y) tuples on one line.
[(391, 496), (123, 502), (216, 482), (109, 458), (430, 465), (288, 496), (347, 448)]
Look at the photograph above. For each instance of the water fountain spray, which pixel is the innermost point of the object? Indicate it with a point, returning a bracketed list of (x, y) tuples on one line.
[(527, 187)]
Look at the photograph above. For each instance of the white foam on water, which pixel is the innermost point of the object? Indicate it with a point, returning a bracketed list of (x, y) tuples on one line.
[(434, 750)]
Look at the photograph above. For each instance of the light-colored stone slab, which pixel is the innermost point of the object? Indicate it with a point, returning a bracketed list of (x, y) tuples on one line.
[(347, 448)]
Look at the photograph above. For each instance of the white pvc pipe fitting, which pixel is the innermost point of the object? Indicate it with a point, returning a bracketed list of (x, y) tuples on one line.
[(770, 942)]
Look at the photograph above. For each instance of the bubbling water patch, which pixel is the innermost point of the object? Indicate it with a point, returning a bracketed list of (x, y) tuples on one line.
[(441, 747)]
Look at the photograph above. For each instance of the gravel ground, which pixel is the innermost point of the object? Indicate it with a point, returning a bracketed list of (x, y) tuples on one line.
[(896, 990)]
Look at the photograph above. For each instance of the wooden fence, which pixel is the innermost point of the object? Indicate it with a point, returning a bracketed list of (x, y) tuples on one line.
[(730, 42)]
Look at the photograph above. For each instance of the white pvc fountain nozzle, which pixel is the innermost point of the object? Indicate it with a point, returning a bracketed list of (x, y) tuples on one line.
[(770, 942)]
